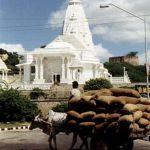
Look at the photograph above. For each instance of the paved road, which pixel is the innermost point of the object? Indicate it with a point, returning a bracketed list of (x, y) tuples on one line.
[(36, 140)]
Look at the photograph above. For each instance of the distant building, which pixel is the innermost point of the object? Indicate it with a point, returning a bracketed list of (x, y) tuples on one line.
[(134, 60)]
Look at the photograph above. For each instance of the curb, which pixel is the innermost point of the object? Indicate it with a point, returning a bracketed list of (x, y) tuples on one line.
[(15, 128)]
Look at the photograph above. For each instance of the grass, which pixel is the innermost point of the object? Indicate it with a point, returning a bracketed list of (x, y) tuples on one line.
[(13, 124)]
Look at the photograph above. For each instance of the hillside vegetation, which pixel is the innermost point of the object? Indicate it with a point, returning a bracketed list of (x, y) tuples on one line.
[(136, 73), (11, 61)]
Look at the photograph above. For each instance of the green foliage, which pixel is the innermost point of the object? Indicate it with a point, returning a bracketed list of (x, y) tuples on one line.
[(136, 73), (13, 59), (96, 84), (16, 107), (132, 54), (36, 93), (62, 107)]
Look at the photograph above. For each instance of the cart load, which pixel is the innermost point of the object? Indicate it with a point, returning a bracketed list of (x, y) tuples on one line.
[(115, 112)]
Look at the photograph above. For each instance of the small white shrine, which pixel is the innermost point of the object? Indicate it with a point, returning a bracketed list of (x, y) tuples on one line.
[(67, 58), (3, 71)]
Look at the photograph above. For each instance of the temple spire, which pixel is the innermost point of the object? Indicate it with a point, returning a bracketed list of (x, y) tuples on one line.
[(76, 23)]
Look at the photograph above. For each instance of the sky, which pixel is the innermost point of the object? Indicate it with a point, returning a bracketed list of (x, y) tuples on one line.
[(29, 24)]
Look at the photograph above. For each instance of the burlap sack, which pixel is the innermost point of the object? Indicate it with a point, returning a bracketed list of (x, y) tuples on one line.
[(99, 118), (88, 115), (112, 117), (130, 108), (72, 122), (135, 128), (104, 100), (101, 110), (100, 126), (113, 125), (137, 115), (87, 124), (143, 122), (141, 107), (147, 108), (101, 92), (86, 98), (117, 100), (148, 127), (126, 118), (144, 101), (131, 100), (74, 100), (146, 115), (74, 115), (125, 92)]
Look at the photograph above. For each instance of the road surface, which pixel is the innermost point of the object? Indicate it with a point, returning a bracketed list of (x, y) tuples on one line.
[(36, 140)]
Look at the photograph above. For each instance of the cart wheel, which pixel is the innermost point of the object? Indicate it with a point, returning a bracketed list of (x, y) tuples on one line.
[(122, 145)]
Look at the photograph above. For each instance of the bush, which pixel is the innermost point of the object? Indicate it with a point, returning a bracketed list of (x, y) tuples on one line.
[(62, 107), (96, 84), (16, 107), (36, 93)]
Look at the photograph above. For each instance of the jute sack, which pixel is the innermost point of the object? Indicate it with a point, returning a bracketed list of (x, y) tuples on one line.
[(113, 125), (112, 117), (101, 126), (117, 100), (144, 101), (98, 118), (141, 107), (127, 99), (101, 110), (135, 128), (101, 92), (74, 99), (72, 122), (148, 127), (88, 115), (137, 115), (148, 108), (125, 92), (143, 122), (74, 115), (87, 124), (130, 108), (126, 118), (104, 100), (146, 115)]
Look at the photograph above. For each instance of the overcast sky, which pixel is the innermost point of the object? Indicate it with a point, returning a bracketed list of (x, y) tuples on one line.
[(28, 24)]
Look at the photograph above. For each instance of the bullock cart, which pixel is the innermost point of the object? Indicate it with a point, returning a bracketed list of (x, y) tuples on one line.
[(112, 118)]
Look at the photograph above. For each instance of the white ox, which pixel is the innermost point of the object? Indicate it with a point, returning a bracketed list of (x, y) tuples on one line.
[(56, 123)]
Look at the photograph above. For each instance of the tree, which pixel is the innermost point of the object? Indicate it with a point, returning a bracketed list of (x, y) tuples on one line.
[(136, 73), (16, 107), (96, 84), (132, 54)]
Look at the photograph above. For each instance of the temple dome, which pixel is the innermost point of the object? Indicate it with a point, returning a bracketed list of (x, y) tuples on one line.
[(58, 43)]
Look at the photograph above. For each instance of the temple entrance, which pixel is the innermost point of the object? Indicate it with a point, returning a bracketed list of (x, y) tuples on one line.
[(56, 78)]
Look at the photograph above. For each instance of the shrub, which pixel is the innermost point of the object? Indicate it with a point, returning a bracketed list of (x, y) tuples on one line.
[(16, 107), (96, 84), (36, 93), (62, 107)]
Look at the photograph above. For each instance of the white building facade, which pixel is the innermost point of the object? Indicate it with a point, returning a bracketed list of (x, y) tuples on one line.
[(67, 58)]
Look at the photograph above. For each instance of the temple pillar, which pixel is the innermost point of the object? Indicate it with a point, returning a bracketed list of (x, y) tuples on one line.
[(41, 68), (63, 68), (36, 69)]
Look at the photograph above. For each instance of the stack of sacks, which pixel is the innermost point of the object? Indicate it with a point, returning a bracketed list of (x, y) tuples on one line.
[(110, 111)]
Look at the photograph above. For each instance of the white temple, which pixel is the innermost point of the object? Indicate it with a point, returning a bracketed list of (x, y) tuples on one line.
[(67, 58)]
